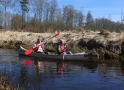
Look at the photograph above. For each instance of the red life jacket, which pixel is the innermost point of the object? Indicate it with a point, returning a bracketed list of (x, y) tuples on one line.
[(37, 46), (60, 49)]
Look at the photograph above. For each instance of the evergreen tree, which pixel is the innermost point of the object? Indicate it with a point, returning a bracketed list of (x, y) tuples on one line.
[(24, 9), (89, 21)]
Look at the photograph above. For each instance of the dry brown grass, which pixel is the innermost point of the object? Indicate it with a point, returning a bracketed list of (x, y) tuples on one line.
[(102, 36)]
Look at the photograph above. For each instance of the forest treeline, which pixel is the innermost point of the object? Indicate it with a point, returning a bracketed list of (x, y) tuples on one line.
[(47, 16)]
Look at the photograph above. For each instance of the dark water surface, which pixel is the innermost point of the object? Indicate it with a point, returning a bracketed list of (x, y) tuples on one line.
[(41, 74)]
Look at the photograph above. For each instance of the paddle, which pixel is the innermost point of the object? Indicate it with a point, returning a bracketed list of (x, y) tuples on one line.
[(27, 62), (29, 51), (54, 35)]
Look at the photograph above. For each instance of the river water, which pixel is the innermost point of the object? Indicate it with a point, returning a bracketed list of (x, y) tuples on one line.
[(40, 74)]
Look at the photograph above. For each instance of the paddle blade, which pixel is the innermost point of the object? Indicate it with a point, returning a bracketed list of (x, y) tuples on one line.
[(27, 62), (27, 52), (56, 34)]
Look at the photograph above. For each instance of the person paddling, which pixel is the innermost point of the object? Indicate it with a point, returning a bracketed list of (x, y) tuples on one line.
[(39, 46), (61, 47)]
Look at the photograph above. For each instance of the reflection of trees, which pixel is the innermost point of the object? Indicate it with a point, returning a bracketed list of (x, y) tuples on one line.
[(122, 66), (110, 65), (23, 75), (102, 68)]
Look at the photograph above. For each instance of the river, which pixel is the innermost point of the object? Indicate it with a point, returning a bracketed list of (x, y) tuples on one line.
[(32, 73)]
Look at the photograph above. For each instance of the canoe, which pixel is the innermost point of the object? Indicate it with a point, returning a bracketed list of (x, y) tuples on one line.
[(91, 56)]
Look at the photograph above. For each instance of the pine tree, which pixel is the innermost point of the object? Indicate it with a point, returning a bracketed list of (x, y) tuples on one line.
[(24, 9)]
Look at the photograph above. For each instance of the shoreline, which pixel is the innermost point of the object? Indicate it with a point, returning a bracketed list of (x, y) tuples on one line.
[(107, 44)]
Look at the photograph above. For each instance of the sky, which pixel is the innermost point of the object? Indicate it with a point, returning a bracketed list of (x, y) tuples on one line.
[(111, 9)]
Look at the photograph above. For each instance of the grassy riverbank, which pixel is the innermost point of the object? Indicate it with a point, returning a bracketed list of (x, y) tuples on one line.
[(106, 43), (7, 84)]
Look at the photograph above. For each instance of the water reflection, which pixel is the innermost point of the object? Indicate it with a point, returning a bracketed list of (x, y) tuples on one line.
[(59, 67), (62, 67), (111, 69), (43, 67), (39, 66), (49, 73)]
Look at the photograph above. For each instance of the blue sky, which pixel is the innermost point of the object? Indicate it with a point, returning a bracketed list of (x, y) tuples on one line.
[(110, 9)]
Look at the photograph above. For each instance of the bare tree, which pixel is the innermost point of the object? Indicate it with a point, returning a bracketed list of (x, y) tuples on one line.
[(4, 5), (1, 18), (78, 19), (68, 16), (46, 15), (15, 22), (53, 7), (58, 20)]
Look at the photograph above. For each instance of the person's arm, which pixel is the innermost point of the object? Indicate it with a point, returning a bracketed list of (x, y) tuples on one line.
[(65, 44), (44, 42), (34, 46)]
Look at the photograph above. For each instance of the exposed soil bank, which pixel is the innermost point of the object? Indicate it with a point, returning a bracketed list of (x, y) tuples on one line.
[(107, 44)]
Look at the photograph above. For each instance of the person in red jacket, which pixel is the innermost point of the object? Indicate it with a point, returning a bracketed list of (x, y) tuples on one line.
[(39, 46)]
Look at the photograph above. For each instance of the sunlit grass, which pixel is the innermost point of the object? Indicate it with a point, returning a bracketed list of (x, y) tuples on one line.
[(13, 39), (30, 38)]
